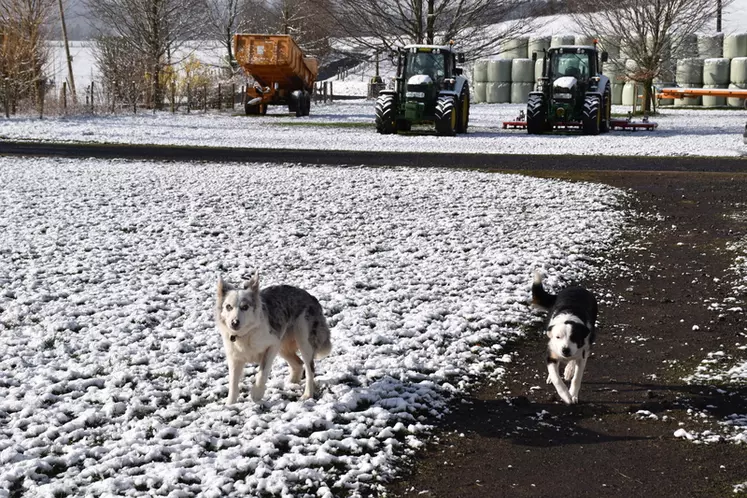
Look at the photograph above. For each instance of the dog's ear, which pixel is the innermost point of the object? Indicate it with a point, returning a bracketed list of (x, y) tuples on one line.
[(221, 288), (253, 283), (549, 333)]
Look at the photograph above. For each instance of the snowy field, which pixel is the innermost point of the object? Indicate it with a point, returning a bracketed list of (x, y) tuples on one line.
[(112, 377), (349, 125)]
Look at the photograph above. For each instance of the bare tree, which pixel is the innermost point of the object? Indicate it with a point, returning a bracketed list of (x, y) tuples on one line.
[(228, 17), (383, 25), (649, 33), (302, 20), (24, 26), (152, 29)]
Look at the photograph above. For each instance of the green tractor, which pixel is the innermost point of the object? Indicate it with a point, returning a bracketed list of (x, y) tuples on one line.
[(572, 91), (429, 89)]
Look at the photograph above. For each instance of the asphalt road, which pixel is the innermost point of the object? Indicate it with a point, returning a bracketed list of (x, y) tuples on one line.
[(497, 162)]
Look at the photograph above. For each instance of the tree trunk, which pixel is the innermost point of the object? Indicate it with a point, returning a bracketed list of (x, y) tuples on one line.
[(430, 21)]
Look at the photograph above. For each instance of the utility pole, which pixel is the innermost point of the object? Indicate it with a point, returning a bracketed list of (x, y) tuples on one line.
[(70, 77), (718, 16)]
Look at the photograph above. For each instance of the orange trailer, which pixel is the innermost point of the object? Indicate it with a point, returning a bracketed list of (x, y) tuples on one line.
[(281, 73)]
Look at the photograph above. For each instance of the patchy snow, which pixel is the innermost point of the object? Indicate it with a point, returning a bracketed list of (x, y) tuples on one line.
[(112, 377), (349, 125), (720, 368)]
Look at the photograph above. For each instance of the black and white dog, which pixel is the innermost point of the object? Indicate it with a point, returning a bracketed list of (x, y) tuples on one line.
[(571, 327)]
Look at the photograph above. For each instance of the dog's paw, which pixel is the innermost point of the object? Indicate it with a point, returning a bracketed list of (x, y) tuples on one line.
[(549, 380), (570, 369), (574, 400), (257, 393), (294, 377)]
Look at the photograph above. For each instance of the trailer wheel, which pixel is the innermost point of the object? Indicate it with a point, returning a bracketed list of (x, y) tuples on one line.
[(263, 109), (307, 103), (592, 115), (251, 110), (446, 115), (386, 106), (536, 115), (463, 114)]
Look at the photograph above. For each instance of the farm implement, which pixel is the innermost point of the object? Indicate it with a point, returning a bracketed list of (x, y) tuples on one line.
[(281, 73)]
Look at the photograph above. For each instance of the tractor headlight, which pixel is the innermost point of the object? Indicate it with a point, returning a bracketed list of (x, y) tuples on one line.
[(415, 95), (563, 96)]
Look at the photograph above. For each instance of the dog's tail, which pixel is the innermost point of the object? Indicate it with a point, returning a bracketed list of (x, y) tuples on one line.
[(540, 297), (324, 346)]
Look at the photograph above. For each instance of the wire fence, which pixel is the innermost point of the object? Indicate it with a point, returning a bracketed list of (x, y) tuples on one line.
[(135, 97)]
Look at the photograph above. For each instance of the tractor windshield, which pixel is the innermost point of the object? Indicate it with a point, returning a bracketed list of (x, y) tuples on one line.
[(570, 64), (431, 63)]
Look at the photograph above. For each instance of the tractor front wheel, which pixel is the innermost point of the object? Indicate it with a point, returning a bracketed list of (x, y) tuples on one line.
[(536, 115), (592, 115), (606, 111), (463, 116), (386, 107), (446, 115)]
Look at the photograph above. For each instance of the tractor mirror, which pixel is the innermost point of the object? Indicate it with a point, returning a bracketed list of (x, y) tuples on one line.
[(460, 58), (458, 71), (605, 56), (534, 56)]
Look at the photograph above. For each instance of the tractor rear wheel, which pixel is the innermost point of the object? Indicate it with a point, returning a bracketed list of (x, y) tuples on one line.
[(592, 115), (386, 106), (536, 115), (446, 115), (606, 111), (463, 114)]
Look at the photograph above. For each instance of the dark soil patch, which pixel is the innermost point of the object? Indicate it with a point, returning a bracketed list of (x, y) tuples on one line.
[(515, 438)]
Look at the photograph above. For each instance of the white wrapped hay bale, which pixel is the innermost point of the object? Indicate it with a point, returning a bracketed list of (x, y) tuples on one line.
[(558, 40), (480, 89), (713, 100), (615, 71), (687, 47), (629, 93), (522, 71), (667, 73), (617, 93), (735, 45), (689, 72), (611, 45), (538, 69), (711, 46), (515, 48), (689, 101), (716, 71), (537, 44), (498, 93), (480, 72), (520, 91), (499, 71), (631, 68), (738, 70), (583, 40), (734, 101)]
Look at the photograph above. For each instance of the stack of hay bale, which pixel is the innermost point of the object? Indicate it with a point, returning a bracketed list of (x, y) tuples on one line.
[(479, 81), (735, 49), (499, 82), (690, 75)]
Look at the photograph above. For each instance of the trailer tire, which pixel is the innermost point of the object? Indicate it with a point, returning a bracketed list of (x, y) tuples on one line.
[(251, 110), (306, 103), (385, 110), (463, 114), (592, 115), (536, 115), (446, 115)]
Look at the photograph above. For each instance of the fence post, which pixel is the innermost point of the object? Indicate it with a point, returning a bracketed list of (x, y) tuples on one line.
[(41, 90), (219, 96), (243, 96), (331, 93), (324, 92), (92, 98), (134, 98), (64, 97), (189, 97), (233, 96), (6, 98), (204, 97), (173, 97)]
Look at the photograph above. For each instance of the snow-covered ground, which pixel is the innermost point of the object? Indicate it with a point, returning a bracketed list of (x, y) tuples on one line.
[(349, 125), (112, 378)]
